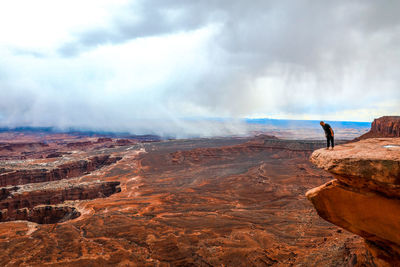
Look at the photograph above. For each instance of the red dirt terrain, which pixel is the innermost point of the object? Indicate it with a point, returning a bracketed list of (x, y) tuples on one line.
[(69, 201)]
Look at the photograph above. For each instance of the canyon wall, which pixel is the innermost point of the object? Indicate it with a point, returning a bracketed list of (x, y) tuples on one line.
[(22, 198), (40, 205), (36, 190), (62, 171), (386, 126), (364, 197)]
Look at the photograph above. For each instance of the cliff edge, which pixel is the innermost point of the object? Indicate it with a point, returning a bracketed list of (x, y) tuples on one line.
[(386, 126), (364, 197)]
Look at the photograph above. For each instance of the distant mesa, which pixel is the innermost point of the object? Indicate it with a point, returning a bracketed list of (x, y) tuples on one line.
[(79, 144), (386, 126), (104, 139), (57, 154), (22, 146), (124, 142)]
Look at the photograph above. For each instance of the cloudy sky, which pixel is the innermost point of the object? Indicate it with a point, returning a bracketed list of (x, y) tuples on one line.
[(147, 65)]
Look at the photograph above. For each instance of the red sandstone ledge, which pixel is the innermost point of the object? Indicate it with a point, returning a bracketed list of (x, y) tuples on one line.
[(365, 196), (376, 159)]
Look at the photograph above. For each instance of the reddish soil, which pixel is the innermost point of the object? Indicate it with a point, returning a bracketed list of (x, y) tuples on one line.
[(201, 202)]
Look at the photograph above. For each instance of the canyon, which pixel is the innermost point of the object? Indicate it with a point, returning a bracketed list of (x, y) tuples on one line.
[(99, 201)]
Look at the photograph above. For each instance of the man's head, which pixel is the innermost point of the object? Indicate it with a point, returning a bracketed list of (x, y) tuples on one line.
[(322, 123)]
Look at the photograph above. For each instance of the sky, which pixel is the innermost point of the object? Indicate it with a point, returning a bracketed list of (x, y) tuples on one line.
[(161, 66)]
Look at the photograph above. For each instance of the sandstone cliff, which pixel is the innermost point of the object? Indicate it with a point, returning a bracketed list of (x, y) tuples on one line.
[(62, 171), (386, 126), (36, 190), (364, 197), (26, 203)]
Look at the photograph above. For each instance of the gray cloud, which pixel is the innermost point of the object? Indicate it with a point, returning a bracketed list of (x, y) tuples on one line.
[(305, 57), (324, 40), (148, 18)]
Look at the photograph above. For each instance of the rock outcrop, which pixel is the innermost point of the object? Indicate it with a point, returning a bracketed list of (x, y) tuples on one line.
[(23, 203), (42, 214), (364, 197), (386, 126), (62, 171), (22, 146), (22, 197), (36, 190)]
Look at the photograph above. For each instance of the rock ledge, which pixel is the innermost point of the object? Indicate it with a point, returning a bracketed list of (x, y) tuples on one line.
[(364, 197)]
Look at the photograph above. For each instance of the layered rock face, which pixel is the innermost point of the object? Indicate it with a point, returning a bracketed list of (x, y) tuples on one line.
[(386, 126), (62, 171), (36, 190), (21, 203), (364, 197), (42, 214)]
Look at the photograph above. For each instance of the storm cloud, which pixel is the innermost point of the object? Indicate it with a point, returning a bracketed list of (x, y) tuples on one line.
[(164, 60)]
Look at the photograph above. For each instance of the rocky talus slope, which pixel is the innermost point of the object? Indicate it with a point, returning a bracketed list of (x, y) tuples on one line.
[(364, 197), (386, 126)]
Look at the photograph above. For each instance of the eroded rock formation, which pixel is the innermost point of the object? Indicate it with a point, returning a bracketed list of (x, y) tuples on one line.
[(36, 190), (54, 193), (22, 147), (364, 197), (386, 126), (41, 214), (58, 172)]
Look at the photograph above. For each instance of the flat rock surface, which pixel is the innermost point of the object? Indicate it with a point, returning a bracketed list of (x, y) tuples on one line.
[(375, 159)]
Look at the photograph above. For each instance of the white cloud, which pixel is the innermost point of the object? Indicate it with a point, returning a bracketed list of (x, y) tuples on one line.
[(114, 64), (42, 24)]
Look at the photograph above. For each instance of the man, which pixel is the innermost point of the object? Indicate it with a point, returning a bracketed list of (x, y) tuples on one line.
[(328, 133)]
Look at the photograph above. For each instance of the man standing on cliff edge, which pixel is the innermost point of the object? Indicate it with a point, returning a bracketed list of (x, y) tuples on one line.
[(328, 133)]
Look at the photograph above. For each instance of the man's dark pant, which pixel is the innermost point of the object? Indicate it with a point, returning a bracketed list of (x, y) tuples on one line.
[(329, 140)]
